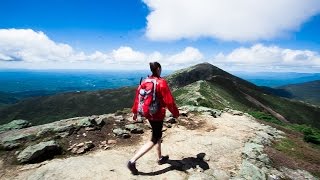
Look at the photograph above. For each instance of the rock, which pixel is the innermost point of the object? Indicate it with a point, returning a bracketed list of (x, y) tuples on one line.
[(263, 160), (62, 135), (103, 142), (100, 121), (39, 152), (90, 128), (13, 141), (133, 128), (199, 175), (297, 174), (203, 110), (250, 171), (81, 147), (207, 113), (111, 141), (121, 133), (184, 113), (71, 147), (206, 158), (17, 153), (9, 145), (252, 151), (80, 150), (236, 113), (220, 175), (15, 124), (84, 135), (119, 118), (140, 119), (85, 122), (171, 120), (168, 114), (64, 128), (45, 132), (125, 136), (106, 147)]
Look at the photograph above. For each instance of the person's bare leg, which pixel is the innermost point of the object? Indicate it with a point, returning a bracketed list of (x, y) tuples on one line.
[(144, 149), (158, 148)]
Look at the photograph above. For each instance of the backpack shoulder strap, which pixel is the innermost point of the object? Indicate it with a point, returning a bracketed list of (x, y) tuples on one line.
[(154, 81)]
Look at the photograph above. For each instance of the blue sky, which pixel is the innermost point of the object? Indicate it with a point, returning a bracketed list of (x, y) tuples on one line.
[(115, 34)]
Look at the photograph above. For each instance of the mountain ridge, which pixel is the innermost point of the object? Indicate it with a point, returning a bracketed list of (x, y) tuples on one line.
[(218, 89)]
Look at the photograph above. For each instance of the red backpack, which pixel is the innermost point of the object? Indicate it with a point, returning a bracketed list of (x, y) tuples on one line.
[(148, 102)]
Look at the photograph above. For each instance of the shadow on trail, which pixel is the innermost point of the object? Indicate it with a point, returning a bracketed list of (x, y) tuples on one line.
[(181, 165)]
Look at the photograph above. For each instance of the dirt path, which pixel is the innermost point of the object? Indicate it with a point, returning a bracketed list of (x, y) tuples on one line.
[(220, 141)]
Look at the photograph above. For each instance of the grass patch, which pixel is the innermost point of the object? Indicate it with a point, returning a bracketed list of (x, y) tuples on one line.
[(310, 134), (289, 147), (294, 153), (265, 117)]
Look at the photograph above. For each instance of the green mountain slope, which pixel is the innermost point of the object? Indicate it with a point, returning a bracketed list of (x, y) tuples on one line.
[(207, 85), (309, 91), (7, 98), (47, 109)]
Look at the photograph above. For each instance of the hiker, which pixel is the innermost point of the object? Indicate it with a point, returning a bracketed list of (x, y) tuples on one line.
[(155, 117)]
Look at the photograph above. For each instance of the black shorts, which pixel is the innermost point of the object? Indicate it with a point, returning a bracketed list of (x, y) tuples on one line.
[(156, 131)]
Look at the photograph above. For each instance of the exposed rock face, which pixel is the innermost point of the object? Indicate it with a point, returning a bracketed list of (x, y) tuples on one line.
[(81, 147), (135, 129), (121, 133), (234, 112), (171, 120), (15, 124), (236, 155), (203, 110), (12, 139), (256, 164), (39, 152)]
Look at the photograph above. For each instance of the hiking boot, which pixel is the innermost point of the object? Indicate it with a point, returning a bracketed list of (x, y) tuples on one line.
[(163, 160), (132, 167)]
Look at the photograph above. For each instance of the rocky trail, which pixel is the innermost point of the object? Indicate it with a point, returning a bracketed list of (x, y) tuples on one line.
[(202, 144)]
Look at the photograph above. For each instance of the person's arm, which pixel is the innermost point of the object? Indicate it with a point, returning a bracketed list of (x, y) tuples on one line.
[(169, 100), (135, 105)]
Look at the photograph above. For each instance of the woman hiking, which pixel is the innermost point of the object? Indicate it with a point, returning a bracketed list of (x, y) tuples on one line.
[(155, 118)]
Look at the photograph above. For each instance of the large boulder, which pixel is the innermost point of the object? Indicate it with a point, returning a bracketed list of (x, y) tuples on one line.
[(14, 140), (135, 129), (250, 171), (39, 152), (15, 124), (121, 133), (85, 122)]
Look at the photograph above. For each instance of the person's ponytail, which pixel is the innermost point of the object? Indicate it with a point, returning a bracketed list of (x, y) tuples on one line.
[(153, 67)]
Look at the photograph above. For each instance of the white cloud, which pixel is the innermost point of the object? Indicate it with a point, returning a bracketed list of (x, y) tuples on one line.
[(24, 47), (31, 46), (28, 45), (260, 56), (127, 55), (235, 20), (187, 56)]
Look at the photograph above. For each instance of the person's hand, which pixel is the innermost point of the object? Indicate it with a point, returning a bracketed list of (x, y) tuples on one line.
[(135, 116)]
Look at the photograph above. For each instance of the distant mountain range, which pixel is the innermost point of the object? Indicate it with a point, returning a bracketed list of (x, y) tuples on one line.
[(202, 84), (276, 79), (307, 92)]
